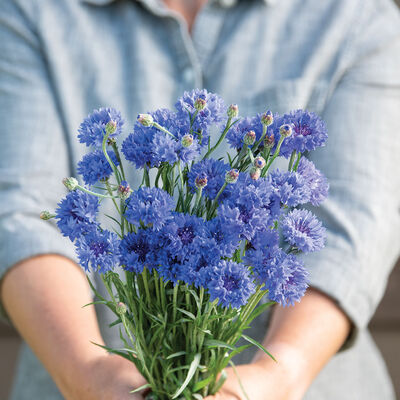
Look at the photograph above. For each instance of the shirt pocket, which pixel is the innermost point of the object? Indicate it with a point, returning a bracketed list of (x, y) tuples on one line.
[(286, 95)]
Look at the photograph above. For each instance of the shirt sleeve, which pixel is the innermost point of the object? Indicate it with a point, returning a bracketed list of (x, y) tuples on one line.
[(361, 161), (34, 150)]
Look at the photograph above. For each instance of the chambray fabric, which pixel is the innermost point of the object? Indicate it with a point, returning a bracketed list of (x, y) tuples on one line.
[(340, 58)]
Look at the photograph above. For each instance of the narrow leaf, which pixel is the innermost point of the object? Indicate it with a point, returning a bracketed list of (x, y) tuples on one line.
[(239, 380), (259, 345), (218, 343), (146, 386), (199, 385), (179, 353), (192, 369)]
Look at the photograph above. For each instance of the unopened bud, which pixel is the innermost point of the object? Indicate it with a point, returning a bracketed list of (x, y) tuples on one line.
[(255, 173), (124, 190), (267, 118), (187, 140), (233, 111), (120, 308), (259, 162), (45, 215), (145, 119), (111, 127), (200, 104), (269, 141), (201, 182), (70, 183), (285, 130), (232, 176), (249, 138)]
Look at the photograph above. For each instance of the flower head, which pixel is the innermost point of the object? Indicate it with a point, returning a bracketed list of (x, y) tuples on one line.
[(214, 171), (232, 176), (315, 180), (233, 111), (267, 118), (149, 206), (94, 127), (303, 230), (259, 162), (145, 119), (230, 283), (308, 132), (237, 133), (249, 138), (124, 190), (94, 166), (76, 214), (98, 251), (70, 183)]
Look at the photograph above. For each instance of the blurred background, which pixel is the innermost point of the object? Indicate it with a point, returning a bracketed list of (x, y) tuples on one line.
[(385, 328)]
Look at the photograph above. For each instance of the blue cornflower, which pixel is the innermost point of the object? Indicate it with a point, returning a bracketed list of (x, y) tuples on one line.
[(149, 206), (98, 250), (149, 146), (225, 229), (136, 250), (230, 283), (76, 214), (94, 166), (290, 187), (208, 109), (93, 129), (214, 171), (308, 132), (315, 180), (303, 230), (287, 279), (235, 136), (252, 199)]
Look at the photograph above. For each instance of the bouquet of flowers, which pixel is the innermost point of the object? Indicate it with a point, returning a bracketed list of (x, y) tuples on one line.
[(201, 241)]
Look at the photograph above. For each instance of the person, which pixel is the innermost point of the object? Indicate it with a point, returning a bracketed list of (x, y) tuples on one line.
[(340, 58)]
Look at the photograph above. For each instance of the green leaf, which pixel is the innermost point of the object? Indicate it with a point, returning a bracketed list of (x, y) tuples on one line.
[(259, 310), (259, 345), (192, 369), (146, 386), (239, 380), (197, 396), (218, 343), (188, 313), (179, 353), (116, 322), (221, 381), (199, 385), (114, 351)]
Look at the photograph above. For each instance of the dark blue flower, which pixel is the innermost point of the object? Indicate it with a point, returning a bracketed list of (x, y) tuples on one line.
[(137, 250), (303, 230), (212, 111), (149, 206), (236, 134), (76, 214), (230, 283), (94, 166), (214, 171), (93, 128), (98, 251), (315, 180), (308, 132), (290, 187)]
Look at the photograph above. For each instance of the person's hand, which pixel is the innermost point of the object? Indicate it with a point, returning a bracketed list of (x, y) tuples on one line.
[(109, 377), (262, 380)]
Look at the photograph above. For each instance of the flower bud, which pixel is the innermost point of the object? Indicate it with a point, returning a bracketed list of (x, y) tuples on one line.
[(45, 215), (249, 138), (145, 119), (200, 104), (232, 176), (269, 141), (70, 183), (233, 111), (124, 190), (259, 162), (187, 140), (285, 130), (267, 118), (200, 181), (255, 173), (120, 308), (111, 127)]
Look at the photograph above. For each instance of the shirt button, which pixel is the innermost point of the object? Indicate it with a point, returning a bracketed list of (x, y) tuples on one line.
[(227, 3), (188, 75)]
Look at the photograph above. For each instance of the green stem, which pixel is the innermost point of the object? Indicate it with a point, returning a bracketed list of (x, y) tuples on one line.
[(161, 128), (291, 161), (297, 161), (276, 153), (221, 138), (114, 168), (103, 196), (116, 152), (198, 199)]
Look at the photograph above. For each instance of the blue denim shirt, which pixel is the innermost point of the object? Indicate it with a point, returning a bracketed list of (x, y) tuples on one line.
[(339, 58)]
